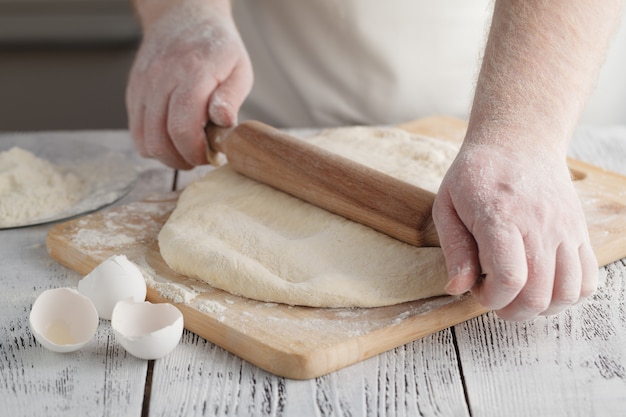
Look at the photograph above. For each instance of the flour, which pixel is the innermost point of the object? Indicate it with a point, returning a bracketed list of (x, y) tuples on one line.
[(210, 306), (95, 239), (32, 189)]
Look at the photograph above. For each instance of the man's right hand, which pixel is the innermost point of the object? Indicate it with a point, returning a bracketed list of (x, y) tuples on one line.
[(191, 69)]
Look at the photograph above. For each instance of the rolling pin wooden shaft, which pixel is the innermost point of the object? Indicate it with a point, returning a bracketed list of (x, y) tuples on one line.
[(329, 181)]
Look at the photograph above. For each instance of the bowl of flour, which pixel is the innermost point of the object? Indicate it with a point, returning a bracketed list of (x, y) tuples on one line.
[(46, 179)]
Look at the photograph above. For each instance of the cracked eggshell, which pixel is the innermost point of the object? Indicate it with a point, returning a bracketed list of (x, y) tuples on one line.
[(113, 280), (63, 320), (146, 330)]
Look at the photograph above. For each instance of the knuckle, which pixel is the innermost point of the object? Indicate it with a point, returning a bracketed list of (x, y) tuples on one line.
[(568, 298), (536, 303), (458, 247), (177, 130), (154, 150), (511, 280)]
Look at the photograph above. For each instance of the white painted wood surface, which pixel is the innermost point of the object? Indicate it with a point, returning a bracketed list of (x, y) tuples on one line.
[(573, 364)]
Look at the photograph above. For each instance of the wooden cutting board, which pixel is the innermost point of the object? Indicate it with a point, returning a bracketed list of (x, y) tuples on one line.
[(301, 342)]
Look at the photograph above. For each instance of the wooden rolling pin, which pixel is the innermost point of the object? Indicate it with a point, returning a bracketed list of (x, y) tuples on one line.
[(329, 181)]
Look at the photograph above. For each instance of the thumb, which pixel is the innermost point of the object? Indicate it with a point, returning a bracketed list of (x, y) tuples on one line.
[(229, 95), (459, 247)]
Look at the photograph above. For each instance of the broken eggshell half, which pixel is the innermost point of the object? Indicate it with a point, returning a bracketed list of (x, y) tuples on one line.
[(113, 280), (63, 320), (146, 330)]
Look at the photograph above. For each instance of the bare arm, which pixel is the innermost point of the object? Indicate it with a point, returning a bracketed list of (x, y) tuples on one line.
[(540, 64), (507, 208)]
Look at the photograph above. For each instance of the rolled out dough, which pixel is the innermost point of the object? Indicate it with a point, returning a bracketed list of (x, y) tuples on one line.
[(252, 240)]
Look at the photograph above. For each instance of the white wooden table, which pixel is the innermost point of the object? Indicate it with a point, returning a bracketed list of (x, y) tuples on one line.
[(573, 364)]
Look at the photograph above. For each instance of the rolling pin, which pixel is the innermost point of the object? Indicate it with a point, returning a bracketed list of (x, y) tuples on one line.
[(324, 179)]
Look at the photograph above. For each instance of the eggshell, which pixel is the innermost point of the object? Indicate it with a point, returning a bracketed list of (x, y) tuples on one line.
[(113, 280), (146, 330), (63, 320)]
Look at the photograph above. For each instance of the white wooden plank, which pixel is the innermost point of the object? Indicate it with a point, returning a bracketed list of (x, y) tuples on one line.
[(35, 381), (572, 364), (419, 378), (200, 379), (101, 378)]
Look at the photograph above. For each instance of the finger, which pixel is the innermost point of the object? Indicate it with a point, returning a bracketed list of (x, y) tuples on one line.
[(589, 270), (458, 246), (187, 118), (567, 279), (502, 256), (157, 143), (536, 294), (228, 97)]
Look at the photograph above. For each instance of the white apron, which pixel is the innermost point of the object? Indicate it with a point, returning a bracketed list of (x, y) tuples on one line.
[(339, 62), (342, 62)]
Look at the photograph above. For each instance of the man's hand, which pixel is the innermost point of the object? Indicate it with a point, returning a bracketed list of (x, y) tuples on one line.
[(191, 69), (513, 232), (509, 220)]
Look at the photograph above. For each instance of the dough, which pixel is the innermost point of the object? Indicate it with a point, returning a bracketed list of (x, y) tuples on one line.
[(252, 240), (32, 189)]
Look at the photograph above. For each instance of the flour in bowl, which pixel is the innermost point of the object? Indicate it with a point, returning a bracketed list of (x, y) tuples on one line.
[(32, 188)]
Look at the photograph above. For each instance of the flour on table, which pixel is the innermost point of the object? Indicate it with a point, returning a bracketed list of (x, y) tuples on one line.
[(252, 240), (32, 188)]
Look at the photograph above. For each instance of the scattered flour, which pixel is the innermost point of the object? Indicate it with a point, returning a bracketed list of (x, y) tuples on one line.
[(400, 318), (32, 188), (179, 294), (209, 306), (95, 239)]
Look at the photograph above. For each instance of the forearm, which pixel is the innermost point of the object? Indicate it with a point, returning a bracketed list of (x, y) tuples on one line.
[(540, 64)]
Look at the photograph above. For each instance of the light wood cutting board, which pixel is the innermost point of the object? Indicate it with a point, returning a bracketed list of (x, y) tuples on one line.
[(301, 342)]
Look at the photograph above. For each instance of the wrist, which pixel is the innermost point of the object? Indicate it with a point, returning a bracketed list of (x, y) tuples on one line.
[(515, 144), (519, 132)]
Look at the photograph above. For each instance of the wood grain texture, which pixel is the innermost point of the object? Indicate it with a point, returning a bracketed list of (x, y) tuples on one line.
[(603, 196), (528, 378), (33, 379), (291, 341), (101, 378), (420, 378), (571, 364), (281, 339), (535, 369)]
